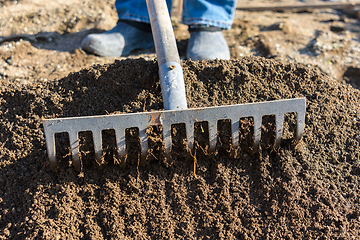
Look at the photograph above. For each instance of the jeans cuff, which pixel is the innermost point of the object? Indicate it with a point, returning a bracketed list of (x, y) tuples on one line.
[(203, 28), (145, 27), (200, 21)]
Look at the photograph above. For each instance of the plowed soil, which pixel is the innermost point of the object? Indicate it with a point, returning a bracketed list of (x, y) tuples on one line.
[(304, 191), (307, 191)]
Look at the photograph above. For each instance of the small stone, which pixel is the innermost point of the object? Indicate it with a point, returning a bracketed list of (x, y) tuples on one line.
[(6, 232)]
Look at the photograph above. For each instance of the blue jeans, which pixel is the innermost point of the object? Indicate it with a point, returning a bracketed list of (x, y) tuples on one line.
[(216, 13)]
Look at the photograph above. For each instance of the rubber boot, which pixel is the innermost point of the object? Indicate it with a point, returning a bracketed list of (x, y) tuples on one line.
[(207, 43), (125, 37)]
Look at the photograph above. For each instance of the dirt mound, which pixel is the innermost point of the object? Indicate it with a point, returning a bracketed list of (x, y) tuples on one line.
[(304, 192)]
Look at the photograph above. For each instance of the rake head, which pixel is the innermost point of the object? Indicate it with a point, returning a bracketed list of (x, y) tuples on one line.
[(120, 122)]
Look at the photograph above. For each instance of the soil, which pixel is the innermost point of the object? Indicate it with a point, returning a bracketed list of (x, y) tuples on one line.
[(305, 191)]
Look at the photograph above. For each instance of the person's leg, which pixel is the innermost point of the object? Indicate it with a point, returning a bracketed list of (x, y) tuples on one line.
[(132, 31), (206, 20), (134, 10), (216, 13)]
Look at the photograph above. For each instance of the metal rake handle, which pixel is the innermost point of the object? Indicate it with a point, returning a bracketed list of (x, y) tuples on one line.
[(170, 71)]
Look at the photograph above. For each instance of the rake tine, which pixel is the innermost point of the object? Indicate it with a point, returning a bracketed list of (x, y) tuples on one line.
[(120, 139), (257, 131), (167, 137), (143, 142), (97, 139), (300, 126), (235, 132), (279, 123), (50, 144), (190, 134), (74, 146), (212, 134)]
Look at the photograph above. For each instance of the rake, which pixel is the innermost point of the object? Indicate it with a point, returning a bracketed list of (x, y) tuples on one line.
[(175, 105)]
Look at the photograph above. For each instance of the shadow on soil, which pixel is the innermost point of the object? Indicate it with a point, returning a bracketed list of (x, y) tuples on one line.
[(56, 41), (352, 76), (68, 42)]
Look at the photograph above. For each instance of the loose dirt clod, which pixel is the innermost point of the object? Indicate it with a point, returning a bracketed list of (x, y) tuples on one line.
[(305, 192)]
